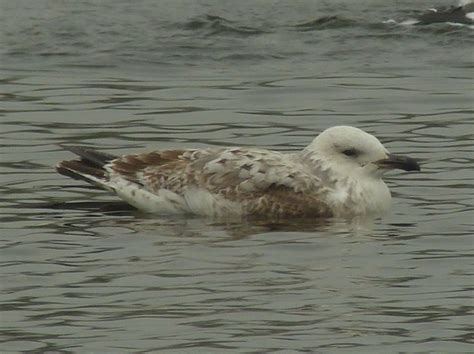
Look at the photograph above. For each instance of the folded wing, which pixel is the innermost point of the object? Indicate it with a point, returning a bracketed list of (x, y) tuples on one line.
[(208, 181)]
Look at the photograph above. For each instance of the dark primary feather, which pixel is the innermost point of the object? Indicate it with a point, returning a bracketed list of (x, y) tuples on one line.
[(80, 170), (89, 165), (91, 156)]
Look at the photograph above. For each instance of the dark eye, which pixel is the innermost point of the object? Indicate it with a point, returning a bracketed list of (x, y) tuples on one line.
[(350, 152)]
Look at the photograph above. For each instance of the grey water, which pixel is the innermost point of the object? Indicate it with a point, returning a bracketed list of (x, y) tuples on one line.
[(81, 274)]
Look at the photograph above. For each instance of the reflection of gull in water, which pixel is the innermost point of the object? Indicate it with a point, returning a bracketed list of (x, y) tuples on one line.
[(338, 174)]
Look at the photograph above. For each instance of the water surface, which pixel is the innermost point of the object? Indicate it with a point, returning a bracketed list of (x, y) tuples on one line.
[(124, 77)]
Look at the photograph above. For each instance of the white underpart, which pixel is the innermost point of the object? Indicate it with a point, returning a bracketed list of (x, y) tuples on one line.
[(201, 202), (161, 202), (194, 200)]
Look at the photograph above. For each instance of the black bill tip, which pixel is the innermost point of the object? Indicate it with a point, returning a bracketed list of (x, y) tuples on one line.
[(400, 162)]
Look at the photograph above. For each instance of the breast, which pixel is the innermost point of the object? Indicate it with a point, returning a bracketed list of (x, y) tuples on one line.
[(351, 198)]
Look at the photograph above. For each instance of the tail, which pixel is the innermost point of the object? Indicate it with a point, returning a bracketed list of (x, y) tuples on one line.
[(89, 168)]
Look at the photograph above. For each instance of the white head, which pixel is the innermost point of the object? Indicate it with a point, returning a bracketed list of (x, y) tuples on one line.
[(351, 149)]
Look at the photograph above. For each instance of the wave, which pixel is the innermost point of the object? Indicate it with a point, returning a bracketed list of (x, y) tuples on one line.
[(217, 25), (324, 22)]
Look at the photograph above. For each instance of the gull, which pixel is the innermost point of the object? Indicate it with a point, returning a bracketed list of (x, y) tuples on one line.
[(339, 174), (461, 14)]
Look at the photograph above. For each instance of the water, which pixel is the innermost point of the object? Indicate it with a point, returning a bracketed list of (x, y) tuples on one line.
[(126, 76)]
